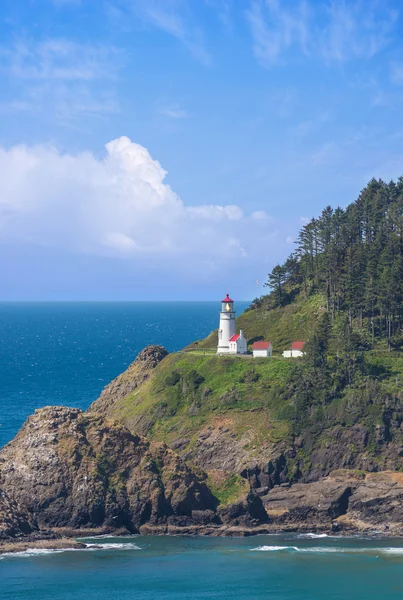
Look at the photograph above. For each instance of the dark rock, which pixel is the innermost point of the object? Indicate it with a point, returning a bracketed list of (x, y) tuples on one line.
[(378, 500), (204, 517), (180, 443), (70, 469), (317, 503), (245, 512), (13, 521)]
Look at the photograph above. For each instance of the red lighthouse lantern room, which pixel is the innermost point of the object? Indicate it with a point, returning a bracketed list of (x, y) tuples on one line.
[(227, 305)]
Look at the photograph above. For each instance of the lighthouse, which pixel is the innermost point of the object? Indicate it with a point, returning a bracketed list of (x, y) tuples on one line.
[(227, 325)]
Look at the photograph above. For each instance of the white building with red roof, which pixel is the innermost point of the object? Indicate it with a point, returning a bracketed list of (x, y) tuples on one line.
[(229, 342), (262, 349), (238, 344), (296, 350)]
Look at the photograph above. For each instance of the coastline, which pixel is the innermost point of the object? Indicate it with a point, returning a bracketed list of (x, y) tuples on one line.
[(72, 539)]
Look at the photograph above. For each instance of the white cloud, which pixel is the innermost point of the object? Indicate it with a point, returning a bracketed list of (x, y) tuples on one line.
[(60, 77), (174, 111), (275, 29), (117, 206), (336, 30), (216, 213), (397, 73), (357, 30), (224, 9), (175, 18), (261, 215), (59, 59)]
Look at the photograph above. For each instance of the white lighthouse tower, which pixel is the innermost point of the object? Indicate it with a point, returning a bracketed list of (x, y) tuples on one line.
[(227, 325)]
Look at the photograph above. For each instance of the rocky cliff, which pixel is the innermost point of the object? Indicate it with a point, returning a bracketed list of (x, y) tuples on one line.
[(14, 522), (218, 457), (226, 416), (67, 469)]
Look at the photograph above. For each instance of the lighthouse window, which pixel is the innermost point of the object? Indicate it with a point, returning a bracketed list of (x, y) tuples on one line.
[(227, 307)]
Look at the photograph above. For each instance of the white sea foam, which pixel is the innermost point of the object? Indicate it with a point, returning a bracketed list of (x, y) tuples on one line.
[(396, 551), (111, 546), (273, 548), (323, 549), (331, 550), (39, 552), (88, 548), (312, 536)]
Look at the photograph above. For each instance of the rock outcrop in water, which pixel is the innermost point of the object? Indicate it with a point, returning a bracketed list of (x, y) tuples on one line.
[(68, 469), (344, 501)]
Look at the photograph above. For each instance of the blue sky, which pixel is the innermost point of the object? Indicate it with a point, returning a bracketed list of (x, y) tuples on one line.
[(173, 148)]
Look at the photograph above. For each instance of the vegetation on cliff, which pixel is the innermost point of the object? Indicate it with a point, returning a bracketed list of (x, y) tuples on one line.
[(354, 257), (340, 406), (229, 435)]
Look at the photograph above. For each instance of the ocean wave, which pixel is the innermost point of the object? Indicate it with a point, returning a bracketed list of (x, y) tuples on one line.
[(38, 552), (89, 547), (273, 548), (331, 550), (396, 551), (111, 546), (313, 536)]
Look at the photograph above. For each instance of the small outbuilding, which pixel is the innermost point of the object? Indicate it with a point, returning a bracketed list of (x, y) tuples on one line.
[(295, 351), (238, 343), (262, 350)]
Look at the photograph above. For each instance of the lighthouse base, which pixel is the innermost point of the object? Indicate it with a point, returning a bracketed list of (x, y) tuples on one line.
[(223, 350)]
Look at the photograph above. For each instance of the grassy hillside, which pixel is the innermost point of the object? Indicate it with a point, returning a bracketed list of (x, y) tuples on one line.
[(281, 326), (219, 413), (341, 406), (188, 391), (281, 419)]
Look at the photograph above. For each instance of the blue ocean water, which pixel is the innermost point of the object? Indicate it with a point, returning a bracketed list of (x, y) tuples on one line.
[(66, 352), (286, 567)]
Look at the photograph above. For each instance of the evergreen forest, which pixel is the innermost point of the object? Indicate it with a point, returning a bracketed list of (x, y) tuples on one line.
[(354, 257)]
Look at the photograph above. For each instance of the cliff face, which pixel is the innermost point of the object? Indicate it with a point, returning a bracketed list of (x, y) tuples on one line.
[(126, 383), (227, 416), (14, 522), (346, 500), (68, 469)]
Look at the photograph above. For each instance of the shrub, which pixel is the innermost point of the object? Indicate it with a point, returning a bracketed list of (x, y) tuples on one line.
[(172, 379)]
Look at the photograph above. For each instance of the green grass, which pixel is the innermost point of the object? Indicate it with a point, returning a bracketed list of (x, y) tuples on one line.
[(195, 390), (189, 390), (229, 489), (281, 326)]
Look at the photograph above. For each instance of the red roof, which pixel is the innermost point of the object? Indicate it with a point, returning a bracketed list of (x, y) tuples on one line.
[(297, 345), (227, 299), (235, 337), (261, 345)]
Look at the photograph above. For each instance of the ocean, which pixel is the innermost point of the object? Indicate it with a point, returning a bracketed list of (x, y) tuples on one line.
[(286, 567), (65, 353)]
